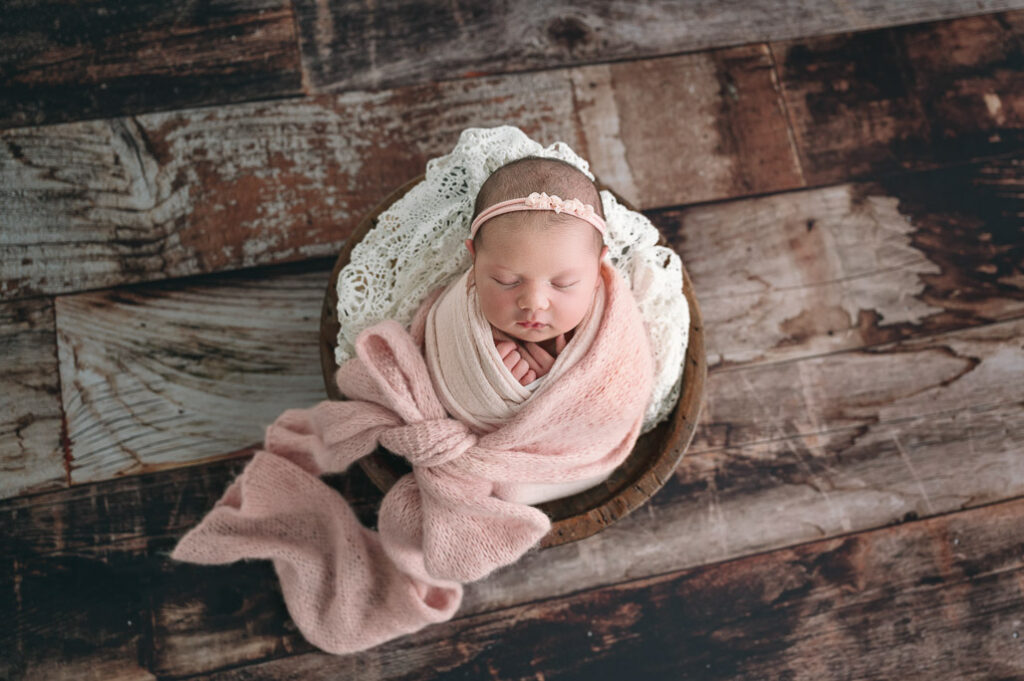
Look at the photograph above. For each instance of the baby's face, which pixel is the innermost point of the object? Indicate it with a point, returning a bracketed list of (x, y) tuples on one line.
[(535, 277)]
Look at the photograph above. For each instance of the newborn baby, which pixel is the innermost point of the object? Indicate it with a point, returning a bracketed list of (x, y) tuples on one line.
[(535, 271), (536, 276)]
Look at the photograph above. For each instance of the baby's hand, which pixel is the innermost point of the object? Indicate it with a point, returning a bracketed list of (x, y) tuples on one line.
[(520, 368), (528, 361), (539, 359)]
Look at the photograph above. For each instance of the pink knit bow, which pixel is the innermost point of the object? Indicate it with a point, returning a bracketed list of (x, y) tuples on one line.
[(348, 587)]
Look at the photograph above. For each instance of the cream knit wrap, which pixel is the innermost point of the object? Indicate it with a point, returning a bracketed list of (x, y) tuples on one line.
[(471, 381)]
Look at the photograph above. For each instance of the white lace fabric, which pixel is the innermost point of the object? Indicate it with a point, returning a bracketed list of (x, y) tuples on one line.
[(417, 245)]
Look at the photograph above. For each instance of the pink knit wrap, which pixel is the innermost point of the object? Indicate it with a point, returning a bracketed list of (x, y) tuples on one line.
[(349, 588)]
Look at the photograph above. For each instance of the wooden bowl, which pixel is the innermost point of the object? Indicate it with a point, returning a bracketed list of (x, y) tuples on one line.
[(649, 465)]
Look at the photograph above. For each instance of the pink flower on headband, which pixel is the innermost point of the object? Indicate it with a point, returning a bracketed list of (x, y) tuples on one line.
[(559, 205)]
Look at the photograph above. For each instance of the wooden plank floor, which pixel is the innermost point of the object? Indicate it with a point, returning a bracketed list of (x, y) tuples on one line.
[(844, 181)]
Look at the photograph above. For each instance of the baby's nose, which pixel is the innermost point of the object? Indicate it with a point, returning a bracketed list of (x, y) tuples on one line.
[(532, 298)]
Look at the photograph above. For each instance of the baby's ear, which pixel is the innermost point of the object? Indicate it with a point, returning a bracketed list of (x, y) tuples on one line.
[(472, 251)]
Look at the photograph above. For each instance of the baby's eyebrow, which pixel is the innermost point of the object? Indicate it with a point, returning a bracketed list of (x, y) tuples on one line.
[(564, 273), (571, 270)]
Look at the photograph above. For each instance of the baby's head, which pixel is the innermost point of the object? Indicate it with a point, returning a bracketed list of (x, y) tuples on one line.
[(536, 271)]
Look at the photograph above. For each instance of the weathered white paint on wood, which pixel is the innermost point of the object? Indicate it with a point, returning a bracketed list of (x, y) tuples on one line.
[(791, 274), (823, 263), (849, 266), (102, 203), (886, 383), (160, 377), (105, 203), (31, 456), (203, 190)]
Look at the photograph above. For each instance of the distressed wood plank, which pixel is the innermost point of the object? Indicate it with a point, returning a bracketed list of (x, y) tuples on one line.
[(705, 514), (854, 265), (349, 45), (105, 203), (812, 485), (235, 607), (140, 514), (163, 375), (31, 453), (10, 651), (912, 97), (62, 60), (287, 180), (92, 569), (934, 599), (80, 618), (856, 389), (685, 129), (809, 485)]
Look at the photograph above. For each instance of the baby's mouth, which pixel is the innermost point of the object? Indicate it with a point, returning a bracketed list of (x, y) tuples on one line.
[(531, 325)]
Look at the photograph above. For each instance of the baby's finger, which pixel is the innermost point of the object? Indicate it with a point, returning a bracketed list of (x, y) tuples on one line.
[(504, 347), (511, 359), (539, 355), (528, 378), (519, 370), (538, 367)]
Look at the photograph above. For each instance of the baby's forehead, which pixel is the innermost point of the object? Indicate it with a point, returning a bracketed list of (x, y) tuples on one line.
[(568, 232), (537, 221)]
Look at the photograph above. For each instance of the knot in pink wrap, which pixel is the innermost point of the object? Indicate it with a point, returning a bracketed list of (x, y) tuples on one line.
[(428, 444)]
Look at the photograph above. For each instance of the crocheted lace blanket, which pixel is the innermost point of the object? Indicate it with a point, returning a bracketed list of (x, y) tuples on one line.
[(417, 245)]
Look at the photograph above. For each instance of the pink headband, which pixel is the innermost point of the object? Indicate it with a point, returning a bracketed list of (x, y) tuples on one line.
[(541, 201)]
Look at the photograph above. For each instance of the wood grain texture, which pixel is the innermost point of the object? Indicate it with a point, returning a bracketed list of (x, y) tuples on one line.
[(860, 388), (685, 129), (90, 569), (854, 265), (913, 97), (128, 200), (938, 599), (165, 375), (31, 452), (883, 599), (348, 45), (63, 60), (104, 203), (897, 462), (80, 618)]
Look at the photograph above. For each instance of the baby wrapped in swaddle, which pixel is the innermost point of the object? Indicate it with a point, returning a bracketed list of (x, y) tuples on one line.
[(525, 379), (534, 281)]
